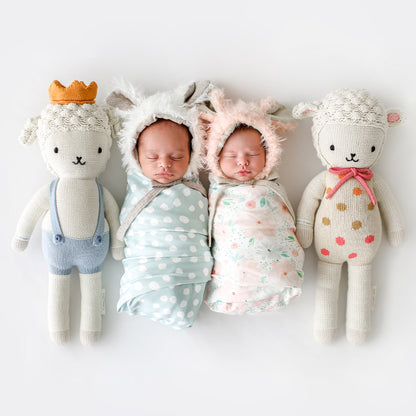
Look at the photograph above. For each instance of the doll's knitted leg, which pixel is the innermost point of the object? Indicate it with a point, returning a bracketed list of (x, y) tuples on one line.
[(91, 308), (326, 301), (58, 307), (358, 303)]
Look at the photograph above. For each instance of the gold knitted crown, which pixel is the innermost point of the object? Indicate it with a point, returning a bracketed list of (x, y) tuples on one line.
[(77, 93)]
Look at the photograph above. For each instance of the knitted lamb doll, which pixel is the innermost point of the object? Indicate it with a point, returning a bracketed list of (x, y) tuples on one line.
[(344, 205), (165, 213), (257, 258), (75, 137)]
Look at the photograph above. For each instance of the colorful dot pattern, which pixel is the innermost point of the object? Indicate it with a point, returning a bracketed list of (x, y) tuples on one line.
[(340, 231)]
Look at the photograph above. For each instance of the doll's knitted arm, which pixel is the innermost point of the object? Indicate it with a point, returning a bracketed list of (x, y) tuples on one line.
[(389, 211), (308, 205), (111, 213), (37, 206)]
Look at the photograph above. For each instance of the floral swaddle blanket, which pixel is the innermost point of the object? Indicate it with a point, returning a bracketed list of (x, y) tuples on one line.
[(168, 261), (258, 260)]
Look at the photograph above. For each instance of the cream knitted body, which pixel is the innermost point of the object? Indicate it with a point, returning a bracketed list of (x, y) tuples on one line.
[(343, 208), (347, 225), (75, 141)]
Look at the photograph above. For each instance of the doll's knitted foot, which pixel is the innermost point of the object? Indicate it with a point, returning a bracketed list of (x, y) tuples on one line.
[(356, 336), (59, 337), (325, 336), (89, 337)]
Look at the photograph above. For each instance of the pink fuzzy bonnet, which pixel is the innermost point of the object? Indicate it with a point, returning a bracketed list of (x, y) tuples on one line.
[(223, 116)]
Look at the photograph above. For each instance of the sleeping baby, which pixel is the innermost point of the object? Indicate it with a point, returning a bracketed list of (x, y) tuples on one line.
[(165, 213), (257, 258)]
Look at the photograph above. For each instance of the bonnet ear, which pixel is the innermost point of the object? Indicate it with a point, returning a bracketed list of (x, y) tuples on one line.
[(113, 121), (276, 111), (216, 101), (280, 116), (124, 97), (395, 117), (304, 110), (118, 99), (29, 133), (197, 93), (213, 102)]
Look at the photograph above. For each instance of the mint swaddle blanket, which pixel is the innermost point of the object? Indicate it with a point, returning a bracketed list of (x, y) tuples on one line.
[(168, 261)]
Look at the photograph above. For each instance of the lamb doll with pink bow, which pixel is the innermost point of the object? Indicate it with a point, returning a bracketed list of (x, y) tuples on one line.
[(343, 207)]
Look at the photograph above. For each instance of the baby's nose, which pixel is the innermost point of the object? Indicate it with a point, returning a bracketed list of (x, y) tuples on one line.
[(165, 163), (242, 161)]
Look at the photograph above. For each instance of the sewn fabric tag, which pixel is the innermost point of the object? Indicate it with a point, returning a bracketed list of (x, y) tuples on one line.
[(102, 301)]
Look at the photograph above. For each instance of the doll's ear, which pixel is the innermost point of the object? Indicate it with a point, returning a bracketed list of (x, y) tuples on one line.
[(197, 92), (395, 117), (304, 110), (29, 133)]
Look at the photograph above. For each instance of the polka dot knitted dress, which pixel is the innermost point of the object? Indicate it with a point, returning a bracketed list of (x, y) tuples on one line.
[(347, 225), (168, 261)]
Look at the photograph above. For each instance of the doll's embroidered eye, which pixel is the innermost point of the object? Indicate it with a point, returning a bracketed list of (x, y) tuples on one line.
[(55, 150), (332, 147), (100, 150), (373, 148)]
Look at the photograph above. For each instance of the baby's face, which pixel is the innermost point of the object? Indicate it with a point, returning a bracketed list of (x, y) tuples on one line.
[(164, 151), (243, 156)]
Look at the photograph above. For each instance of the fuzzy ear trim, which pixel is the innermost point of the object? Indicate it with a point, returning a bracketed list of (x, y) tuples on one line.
[(167, 105), (220, 124)]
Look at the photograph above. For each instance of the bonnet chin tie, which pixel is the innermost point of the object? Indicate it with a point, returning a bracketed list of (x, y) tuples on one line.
[(156, 189), (362, 175)]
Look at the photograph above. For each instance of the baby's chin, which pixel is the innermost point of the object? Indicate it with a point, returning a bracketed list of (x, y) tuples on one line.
[(243, 178), (165, 179)]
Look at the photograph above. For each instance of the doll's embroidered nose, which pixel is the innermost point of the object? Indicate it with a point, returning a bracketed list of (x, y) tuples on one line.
[(78, 162)]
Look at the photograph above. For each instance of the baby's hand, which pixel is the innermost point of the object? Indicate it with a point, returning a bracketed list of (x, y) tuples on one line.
[(19, 244), (304, 234)]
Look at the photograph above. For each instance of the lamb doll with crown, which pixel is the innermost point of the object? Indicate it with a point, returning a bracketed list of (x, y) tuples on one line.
[(75, 137)]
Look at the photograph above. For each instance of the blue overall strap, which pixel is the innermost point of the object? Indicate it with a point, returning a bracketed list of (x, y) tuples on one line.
[(98, 235), (57, 235)]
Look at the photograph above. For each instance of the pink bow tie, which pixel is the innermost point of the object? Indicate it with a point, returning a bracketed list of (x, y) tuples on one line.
[(362, 175)]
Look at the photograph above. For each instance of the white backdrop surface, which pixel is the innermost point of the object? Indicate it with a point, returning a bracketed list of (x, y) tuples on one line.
[(267, 364)]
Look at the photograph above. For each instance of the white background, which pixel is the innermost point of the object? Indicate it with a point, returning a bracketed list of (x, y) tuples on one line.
[(224, 365)]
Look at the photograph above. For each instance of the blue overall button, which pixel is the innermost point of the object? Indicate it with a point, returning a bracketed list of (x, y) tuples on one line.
[(98, 240), (58, 238)]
